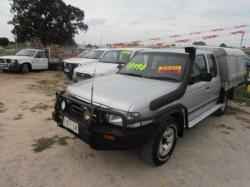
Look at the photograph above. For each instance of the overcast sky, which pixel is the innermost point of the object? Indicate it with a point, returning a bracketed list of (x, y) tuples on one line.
[(128, 20)]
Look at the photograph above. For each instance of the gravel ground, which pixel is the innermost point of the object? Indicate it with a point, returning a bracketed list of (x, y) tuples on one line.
[(35, 152)]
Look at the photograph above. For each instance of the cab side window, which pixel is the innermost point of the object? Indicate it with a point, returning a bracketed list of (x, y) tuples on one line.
[(212, 65), (40, 54), (199, 66)]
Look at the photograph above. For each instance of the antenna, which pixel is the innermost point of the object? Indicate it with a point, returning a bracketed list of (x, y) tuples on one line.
[(92, 93)]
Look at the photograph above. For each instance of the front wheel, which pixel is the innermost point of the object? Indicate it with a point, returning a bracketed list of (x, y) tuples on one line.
[(159, 148), (25, 68)]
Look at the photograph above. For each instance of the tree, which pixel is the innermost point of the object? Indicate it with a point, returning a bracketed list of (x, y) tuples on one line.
[(48, 21), (199, 43), (4, 42), (223, 45)]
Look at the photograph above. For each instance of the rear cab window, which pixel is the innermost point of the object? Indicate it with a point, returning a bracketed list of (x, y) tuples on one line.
[(212, 65)]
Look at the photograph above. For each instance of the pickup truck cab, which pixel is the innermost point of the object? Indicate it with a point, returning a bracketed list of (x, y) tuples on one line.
[(151, 100), (25, 61), (86, 57), (110, 63)]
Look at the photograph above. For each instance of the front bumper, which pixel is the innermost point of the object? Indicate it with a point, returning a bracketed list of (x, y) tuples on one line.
[(95, 133), (69, 69), (10, 67), (4, 66)]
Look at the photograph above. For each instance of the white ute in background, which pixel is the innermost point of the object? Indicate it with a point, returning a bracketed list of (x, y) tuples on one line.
[(110, 63), (86, 57), (25, 61)]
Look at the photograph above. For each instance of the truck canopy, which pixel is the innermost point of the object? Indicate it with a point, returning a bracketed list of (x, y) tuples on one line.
[(231, 64)]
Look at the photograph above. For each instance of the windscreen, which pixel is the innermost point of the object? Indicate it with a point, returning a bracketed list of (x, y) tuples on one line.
[(91, 54), (157, 65), (117, 56), (26, 52)]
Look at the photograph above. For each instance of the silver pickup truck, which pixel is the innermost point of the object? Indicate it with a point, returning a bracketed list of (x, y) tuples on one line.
[(151, 100)]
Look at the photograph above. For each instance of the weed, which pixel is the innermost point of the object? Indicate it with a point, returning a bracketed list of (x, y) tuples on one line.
[(18, 117), (46, 143)]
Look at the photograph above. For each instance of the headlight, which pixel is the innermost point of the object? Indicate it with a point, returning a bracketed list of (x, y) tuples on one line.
[(14, 61), (86, 115), (63, 105), (117, 120), (113, 119)]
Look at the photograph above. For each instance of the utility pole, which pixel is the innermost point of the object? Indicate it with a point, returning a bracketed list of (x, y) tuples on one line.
[(242, 38)]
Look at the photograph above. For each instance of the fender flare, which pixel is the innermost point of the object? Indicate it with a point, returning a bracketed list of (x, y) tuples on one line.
[(30, 66), (179, 113)]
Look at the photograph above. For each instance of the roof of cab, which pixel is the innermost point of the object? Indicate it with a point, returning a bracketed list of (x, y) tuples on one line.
[(130, 49), (102, 49), (176, 50)]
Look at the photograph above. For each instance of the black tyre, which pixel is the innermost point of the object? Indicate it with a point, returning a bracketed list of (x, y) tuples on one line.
[(159, 148), (223, 108), (5, 70), (25, 69)]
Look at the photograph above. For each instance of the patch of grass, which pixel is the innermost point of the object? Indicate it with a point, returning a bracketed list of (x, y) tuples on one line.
[(62, 140), (241, 92), (235, 110), (244, 120), (39, 107), (226, 127), (49, 87), (46, 143), (43, 143), (18, 117), (2, 108)]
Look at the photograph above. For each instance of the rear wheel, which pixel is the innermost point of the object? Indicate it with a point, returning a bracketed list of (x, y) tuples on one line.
[(159, 148), (25, 68), (223, 107)]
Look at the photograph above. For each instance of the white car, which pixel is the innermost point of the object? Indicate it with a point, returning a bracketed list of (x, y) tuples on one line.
[(110, 63), (25, 61), (85, 57)]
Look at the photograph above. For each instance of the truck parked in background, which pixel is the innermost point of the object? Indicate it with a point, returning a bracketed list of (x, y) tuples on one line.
[(25, 61), (84, 58), (110, 63)]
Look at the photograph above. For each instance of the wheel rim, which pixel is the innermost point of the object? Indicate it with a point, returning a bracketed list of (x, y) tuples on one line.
[(166, 143)]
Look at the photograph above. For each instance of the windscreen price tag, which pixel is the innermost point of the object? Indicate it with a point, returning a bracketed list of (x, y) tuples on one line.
[(136, 66), (126, 53), (169, 69)]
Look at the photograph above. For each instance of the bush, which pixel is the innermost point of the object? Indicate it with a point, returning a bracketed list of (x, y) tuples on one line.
[(4, 42)]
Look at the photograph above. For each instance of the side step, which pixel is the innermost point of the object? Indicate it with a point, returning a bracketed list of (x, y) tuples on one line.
[(203, 116)]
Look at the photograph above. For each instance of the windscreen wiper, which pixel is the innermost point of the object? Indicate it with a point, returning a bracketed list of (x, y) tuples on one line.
[(163, 78), (132, 74)]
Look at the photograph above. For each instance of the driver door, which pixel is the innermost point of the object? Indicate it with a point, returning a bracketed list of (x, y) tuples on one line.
[(41, 62), (197, 94)]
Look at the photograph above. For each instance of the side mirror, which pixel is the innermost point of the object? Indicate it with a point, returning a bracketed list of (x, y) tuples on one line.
[(206, 77), (119, 66)]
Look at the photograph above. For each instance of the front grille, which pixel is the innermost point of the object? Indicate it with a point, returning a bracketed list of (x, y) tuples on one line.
[(83, 75), (76, 110), (70, 65), (2, 61)]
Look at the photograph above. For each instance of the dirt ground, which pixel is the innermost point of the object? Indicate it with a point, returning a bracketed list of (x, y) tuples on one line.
[(35, 152)]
